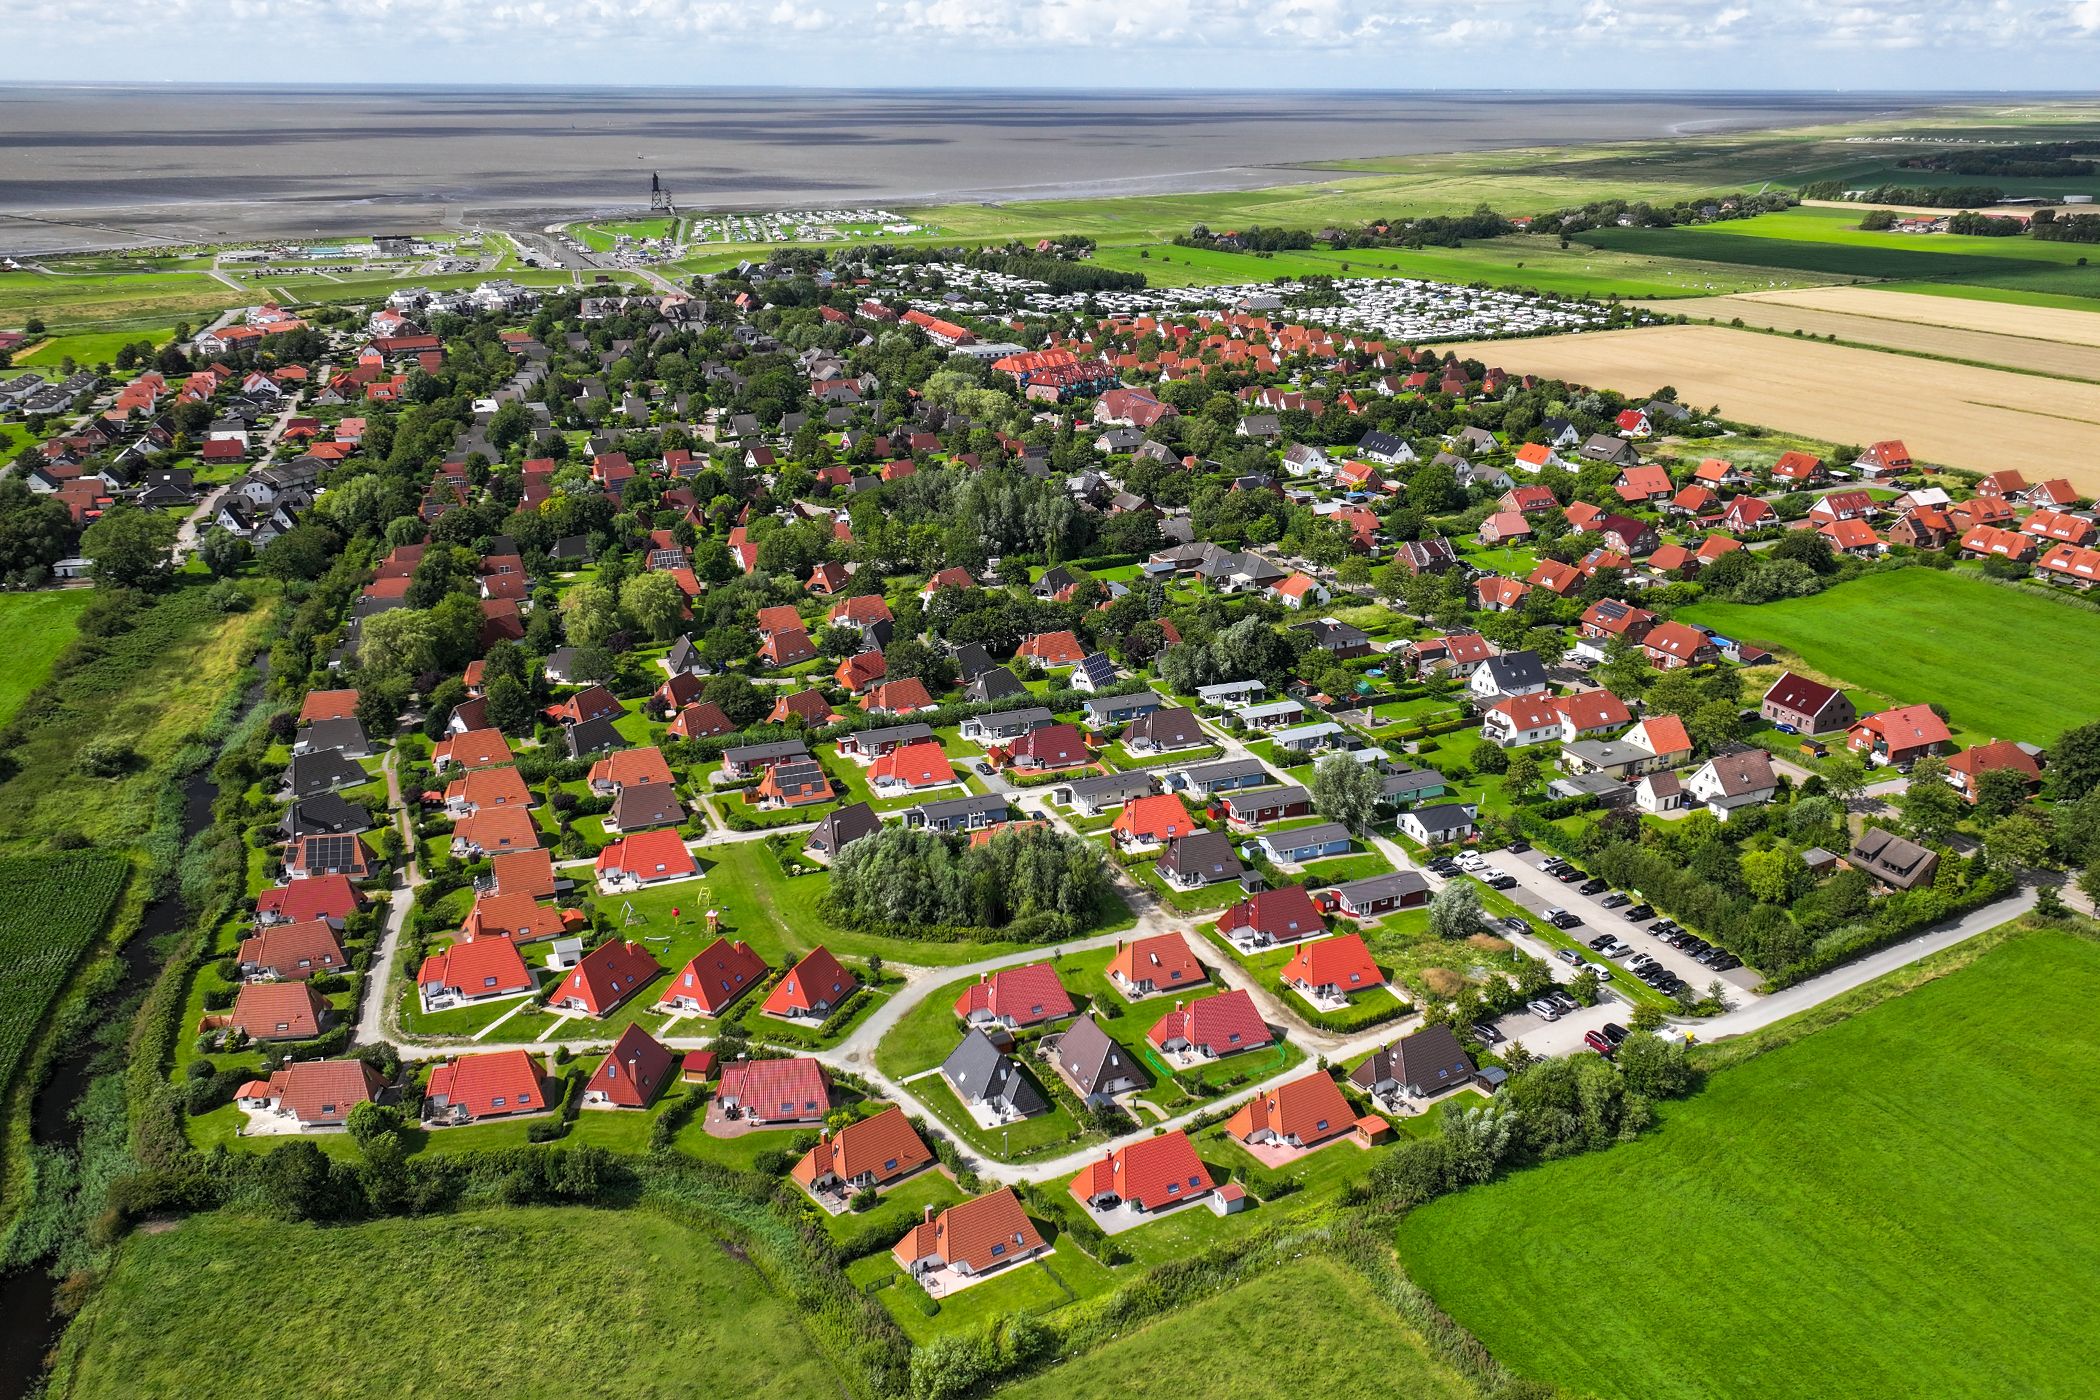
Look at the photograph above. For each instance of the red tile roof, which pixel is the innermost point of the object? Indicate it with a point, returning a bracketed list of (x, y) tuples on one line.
[(330, 897), (1220, 1024), (1164, 960), (483, 968), (278, 1010), (776, 1091), (648, 855), (322, 1092), (635, 1072), (817, 980), (1310, 1111), (292, 952), (883, 1148), (1341, 962), (1150, 1173), (1019, 996), (609, 974), (1154, 819), (1284, 914), (717, 975), (491, 1085), (976, 1235)]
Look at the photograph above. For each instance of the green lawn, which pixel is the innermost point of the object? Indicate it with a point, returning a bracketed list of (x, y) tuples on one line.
[(2005, 663), (34, 629), (531, 1302), (1893, 1206), (1308, 1327)]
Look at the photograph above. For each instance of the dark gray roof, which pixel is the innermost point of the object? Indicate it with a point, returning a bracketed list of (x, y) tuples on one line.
[(593, 736), (1205, 854), (1302, 837), (894, 734), (948, 809), (1109, 787), (973, 661), (1405, 782), (324, 814), (994, 683), (1261, 799), (981, 1074), (1515, 669), (1892, 860), (344, 734), (312, 773), (1431, 1060), (843, 827), (640, 805), (1226, 770), (1172, 727), (1372, 888), (759, 753), (1092, 1059)]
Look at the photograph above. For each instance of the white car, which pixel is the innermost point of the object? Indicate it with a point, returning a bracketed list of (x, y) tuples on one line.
[(1471, 860), (1544, 1010)]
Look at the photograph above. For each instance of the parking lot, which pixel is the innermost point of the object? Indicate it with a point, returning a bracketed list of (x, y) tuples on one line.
[(1561, 1037), (1536, 891)]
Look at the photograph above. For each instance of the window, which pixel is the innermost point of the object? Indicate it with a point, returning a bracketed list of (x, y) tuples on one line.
[(890, 1165), (1173, 1187), (496, 1102), (997, 1250), (1321, 1126)]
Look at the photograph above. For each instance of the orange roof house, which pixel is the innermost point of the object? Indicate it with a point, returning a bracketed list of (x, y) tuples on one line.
[(609, 974), (1147, 967), (633, 1074), (1304, 1113), (1148, 1175), (1332, 969), (715, 977), (971, 1238), (1017, 997), (1146, 823), (811, 988), (870, 1152)]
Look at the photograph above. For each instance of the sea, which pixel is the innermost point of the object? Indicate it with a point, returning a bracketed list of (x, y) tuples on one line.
[(106, 165)]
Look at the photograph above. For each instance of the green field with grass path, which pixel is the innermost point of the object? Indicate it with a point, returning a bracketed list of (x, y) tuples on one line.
[(2006, 663), (1896, 1205)]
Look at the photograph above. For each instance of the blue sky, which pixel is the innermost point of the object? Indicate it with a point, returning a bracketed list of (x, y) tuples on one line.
[(1910, 45)]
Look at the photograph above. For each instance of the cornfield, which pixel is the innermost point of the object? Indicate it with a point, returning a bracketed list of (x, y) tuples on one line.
[(51, 909)]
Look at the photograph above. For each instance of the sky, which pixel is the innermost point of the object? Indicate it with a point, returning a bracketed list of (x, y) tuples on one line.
[(1907, 45)]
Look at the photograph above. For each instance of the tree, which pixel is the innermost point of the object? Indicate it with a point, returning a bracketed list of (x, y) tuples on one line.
[(35, 531), (129, 547), (1713, 724), (1772, 875), (590, 614), (303, 552), (1805, 547), (1845, 776), (1653, 1067), (223, 552), (509, 705), (1455, 912), (402, 641), (744, 703), (2074, 762), (1930, 806), (1346, 791), (2000, 792), (1523, 772), (2015, 843), (654, 603)]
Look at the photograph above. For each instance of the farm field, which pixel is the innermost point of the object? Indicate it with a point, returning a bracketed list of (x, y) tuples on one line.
[(51, 908), (1951, 414), (2034, 351), (92, 347), (1308, 1297), (111, 301), (2077, 323), (2032, 692), (1906, 1195), (576, 1302), (34, 629)]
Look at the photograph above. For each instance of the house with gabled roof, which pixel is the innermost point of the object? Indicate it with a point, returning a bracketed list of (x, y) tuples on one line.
[(990, 1083), (1804, 706), (473, 1088), (1149, 823), (291, 952), (775, 1093), (1224, 1023), (1327, 972), (713, 980), (968, 1241), (1303, 1114), (1899, 737), (273, 1011), (1016, 998), (1418, 1066), (632, 1074), (645, 858), (1964, 769), (1148, 1175), (812, 988), (313, 1093), (606, 977), (868, 1152)]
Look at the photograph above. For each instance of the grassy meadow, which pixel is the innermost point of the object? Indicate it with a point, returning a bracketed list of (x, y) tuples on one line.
[(555, 1302), (2005, 663), (34, 629), (1891, 1206)]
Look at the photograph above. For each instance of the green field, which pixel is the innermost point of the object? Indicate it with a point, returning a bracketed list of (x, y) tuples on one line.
[(51, 908), (34, 629), (93, 347), (1830, 242), (514, 1303), (2005, 663), (111, 301), (1893, 1206), (1308, 1327)]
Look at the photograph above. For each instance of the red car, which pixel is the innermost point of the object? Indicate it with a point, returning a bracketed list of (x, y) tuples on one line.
[(1599, 1042)]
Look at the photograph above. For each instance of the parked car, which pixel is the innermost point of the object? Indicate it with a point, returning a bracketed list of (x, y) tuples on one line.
[(1569, 875), (1513, 924), (1594, 884), (1486, 1034), (1563, 918), (1562, 1000), (1520, 846), (1616, 901), (984, 768), (1569, 956), (1543, 1009), (1615, 1033), (1599, 1042), (1727, 962), (1640, 914), (1501, 881), (1602, 942)]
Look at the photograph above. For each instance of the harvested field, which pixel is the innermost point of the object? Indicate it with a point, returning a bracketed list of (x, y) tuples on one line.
[(1954, 415), (2038, 340)]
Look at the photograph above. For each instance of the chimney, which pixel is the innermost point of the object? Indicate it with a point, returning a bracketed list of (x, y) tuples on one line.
[(929, 1214)]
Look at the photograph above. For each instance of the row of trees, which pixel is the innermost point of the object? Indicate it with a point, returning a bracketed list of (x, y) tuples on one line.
[(1032, 883)]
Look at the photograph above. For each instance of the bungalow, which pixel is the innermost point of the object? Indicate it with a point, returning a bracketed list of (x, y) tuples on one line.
[(1269, 917), (970, 1239), (271, 1011), (1643, 484), (959, 813), (609, 974), (632, 1075), (645, 858), (1245, 810), (1273, 714), (1316, 737), (775, 1093), (1225, 1023), (867, 745), (795, 783), (711, 982), (1726, 782), (869, 1152), (811, 988), (1798, 705), (1148, 1175), (841, 828), (1403, 784), (1230, 695), (1016, 998), (1440, 824), (329, 897), (1108, 711), (1301, 844), (1417, 1066), (472, 1088), (1094, 1064), (990, 1082), (343, 854), (1375, 896), (1049, 747), (1005, 725), (1300, 590), (1163, 731), (1329, 971), (1305, 1113), (471, 971), (911, 768), (1899, 737), (1209, 779), (1344, 641)]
